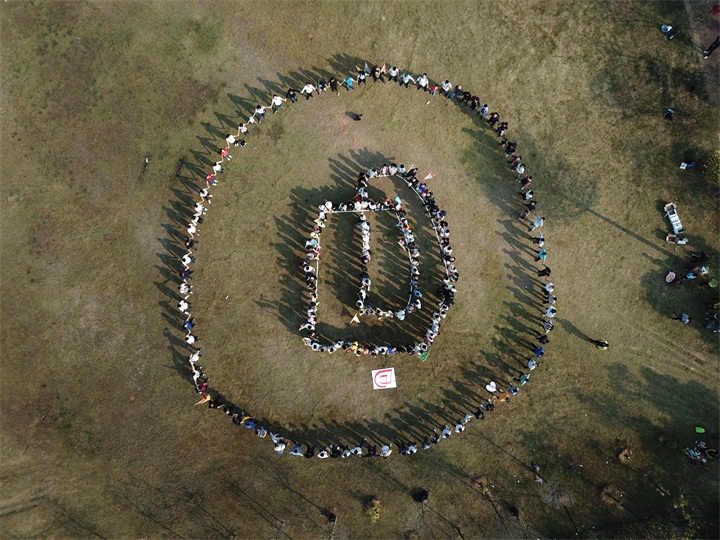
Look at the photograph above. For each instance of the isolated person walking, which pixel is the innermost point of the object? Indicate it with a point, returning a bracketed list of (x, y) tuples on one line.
[(714, 45)]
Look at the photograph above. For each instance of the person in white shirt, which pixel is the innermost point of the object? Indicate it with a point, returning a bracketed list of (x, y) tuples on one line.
[(307, 90), (276, 103), (423, 81), (446, 87)]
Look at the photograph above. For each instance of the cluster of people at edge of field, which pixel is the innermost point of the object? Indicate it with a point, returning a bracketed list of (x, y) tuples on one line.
[(441, 228), (361, 203)]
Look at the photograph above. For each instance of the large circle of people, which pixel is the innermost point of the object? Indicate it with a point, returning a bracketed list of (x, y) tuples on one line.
[(361, 204)]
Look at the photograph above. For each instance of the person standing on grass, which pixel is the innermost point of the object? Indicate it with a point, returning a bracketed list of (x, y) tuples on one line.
[(276, 103), (483, 110), (551, 311), (423, 82), (357, 451), (542, 255), (532, 364), (446, 88), (377, 73), (279, 443), (494, 119), (307, 90), (539, 240), (205, 196), (187, 260), (545, 272), (601, 344), (405, 79), (457, 92), (224, 154), (291, 95), (538, 223), (260, 111), (539, 352), (321, 86), (348, 82), (297, 450), (528, 209), (333, 84), (549, 287), (548, 326), (551, 299), (188, 324), (714, 45), (385, 451), (361, 77), (542, 339)]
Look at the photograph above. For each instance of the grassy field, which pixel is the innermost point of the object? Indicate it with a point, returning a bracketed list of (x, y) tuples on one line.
[(99, 435)]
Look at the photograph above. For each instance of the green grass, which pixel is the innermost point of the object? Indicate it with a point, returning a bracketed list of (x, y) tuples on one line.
[(99, 436)]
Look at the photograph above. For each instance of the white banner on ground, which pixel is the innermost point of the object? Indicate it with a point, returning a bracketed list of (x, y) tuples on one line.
[(384, 378)]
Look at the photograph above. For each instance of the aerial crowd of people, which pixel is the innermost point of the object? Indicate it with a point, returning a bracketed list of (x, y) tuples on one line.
[(361, 204)]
